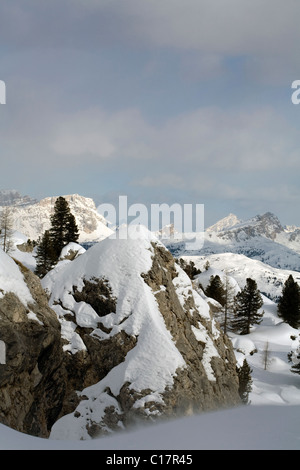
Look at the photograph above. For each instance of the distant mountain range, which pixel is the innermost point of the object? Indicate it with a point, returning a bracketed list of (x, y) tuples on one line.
[(12, 197), (262, 237)]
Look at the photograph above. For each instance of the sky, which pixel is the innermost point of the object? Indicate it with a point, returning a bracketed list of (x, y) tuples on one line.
[(164, 101)]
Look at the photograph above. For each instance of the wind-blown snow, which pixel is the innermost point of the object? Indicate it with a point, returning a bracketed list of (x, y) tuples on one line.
[(265, 427)]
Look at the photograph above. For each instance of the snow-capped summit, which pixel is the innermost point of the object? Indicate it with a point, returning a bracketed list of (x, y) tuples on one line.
[(224, 224), (266, 225)]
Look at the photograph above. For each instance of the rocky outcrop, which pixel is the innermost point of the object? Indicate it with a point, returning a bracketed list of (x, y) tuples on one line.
[(127, 338), (32, 382), (194, 389), (151, 346)]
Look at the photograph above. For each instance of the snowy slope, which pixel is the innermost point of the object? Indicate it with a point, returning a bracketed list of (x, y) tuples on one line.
[(269, 280), (226, 223), (265, 427)]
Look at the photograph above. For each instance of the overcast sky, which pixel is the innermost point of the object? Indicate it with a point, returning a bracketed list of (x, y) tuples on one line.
[(164, 101)]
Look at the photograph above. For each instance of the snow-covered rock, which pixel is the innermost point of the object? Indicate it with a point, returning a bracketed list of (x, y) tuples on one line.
[(147, 339)]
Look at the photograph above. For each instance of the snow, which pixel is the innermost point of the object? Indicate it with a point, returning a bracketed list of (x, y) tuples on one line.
[(265, 427), (12, 280), (239, 267), (72, 247)]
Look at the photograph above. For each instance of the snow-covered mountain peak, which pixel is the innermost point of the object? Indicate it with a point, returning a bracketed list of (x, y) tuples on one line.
[(34, 219), (224, 224), (267, 225)]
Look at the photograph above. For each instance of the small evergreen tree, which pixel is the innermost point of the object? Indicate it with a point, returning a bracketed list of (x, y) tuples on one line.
[(63, 226), (45, 255), (215, 289), (289, 303), (248, 302), (245, 381)]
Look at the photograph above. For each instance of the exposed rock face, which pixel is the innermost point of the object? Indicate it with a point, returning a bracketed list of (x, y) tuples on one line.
[(192, 391), (32, 383)]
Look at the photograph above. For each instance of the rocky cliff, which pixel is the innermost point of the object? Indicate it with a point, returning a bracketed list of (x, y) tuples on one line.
[(127, 338), (147, 338)]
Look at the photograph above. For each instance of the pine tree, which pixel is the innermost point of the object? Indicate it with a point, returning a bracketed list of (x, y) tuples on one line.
[(63, 226), (248, 302), (215, 289), (289, 303), (45, 255), (245, 381)]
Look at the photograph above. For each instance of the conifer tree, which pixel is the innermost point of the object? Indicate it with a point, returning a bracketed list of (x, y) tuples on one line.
[(63, 226), (215, 289), (289, 303), (45, 255), (248, 302)]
